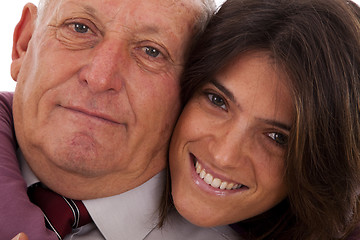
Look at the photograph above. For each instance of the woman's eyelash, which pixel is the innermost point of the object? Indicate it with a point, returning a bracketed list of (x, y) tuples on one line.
[(279, 138), (216, 100)]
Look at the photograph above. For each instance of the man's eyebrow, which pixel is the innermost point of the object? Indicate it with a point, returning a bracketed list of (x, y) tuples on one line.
[(149, 29), (89, 10), (156, 34), (223, 89), (79, 8)]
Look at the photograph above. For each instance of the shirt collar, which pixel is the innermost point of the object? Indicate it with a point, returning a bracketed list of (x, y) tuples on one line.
[(26, 172), (130, 215)]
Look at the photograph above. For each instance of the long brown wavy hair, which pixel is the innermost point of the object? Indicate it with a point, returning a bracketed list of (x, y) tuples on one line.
[(317, 45)]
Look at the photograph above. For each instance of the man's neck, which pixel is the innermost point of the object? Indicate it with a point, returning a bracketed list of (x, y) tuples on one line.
[(82, 188)]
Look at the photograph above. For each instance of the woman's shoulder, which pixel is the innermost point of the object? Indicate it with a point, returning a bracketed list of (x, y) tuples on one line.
[(355, 234)]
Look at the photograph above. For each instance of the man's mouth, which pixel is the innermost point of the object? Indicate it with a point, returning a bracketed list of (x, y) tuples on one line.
[(96, 115)]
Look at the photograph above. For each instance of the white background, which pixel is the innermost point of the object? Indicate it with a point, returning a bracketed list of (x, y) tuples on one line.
[(10, 14)]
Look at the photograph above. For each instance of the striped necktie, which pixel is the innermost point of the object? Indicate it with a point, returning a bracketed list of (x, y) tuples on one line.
[(61, 214)]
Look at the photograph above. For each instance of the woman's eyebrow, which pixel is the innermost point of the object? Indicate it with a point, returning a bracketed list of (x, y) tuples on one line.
[(276, 123), (230, 95), (223, 89)]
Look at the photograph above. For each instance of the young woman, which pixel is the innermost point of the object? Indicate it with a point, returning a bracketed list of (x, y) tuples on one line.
[(269, 139)]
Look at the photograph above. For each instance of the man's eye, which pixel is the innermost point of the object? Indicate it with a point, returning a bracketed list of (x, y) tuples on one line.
[(152, 52), (279, 138), (217, 100), (80, 28)]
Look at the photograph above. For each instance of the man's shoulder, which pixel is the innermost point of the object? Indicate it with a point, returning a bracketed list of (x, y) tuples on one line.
[(6, 99), (7, 134), (178, 228)]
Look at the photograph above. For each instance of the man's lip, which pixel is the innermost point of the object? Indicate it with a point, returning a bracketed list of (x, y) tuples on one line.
[(94, 114)]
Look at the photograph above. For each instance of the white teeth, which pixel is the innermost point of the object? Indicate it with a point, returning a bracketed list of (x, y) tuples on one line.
[(229, 186), (214, 182), (202, 174), (198, 168), (208, 178), (223, 185)]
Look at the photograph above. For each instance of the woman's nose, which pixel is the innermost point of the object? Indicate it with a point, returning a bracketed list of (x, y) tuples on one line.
[(230, 148)]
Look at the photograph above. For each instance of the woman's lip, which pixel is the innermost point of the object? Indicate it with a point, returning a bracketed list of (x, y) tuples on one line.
[(208, 188), (208, 170)]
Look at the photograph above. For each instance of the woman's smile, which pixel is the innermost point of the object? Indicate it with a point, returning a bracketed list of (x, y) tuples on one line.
[(217, 182)]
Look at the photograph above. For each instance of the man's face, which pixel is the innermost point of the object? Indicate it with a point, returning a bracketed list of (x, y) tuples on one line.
[(97, 93)]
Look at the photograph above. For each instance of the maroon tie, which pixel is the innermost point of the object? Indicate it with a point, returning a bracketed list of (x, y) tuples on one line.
[(61, 214)]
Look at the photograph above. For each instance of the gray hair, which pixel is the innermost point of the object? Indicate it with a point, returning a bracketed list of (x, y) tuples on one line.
[(209, 8), (42, 6)]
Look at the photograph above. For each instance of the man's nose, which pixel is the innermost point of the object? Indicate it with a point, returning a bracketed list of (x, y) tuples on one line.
[(104, 69)]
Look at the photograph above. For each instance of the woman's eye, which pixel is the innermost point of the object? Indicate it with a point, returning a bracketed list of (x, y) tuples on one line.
[(81, 28), (152, 52), (217, 100), (279, 138)]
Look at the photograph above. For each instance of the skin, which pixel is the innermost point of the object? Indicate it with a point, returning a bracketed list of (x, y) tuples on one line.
[(236, 127), (20, 236), (97, 90)]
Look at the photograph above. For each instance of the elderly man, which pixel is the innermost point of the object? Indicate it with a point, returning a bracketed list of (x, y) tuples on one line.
[(96, 99)]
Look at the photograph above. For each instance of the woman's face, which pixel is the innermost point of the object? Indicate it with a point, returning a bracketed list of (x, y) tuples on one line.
[(228, 148)]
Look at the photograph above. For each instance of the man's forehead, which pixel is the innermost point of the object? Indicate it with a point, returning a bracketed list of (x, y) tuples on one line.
[(118, 5), (169, 23), (154, 13)]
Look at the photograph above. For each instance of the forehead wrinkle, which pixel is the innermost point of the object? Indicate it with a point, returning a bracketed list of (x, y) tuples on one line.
[(156, 26), (80, 11), (87, 8)]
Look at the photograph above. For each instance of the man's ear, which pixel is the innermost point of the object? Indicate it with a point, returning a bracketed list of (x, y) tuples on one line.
[(22, 35)]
